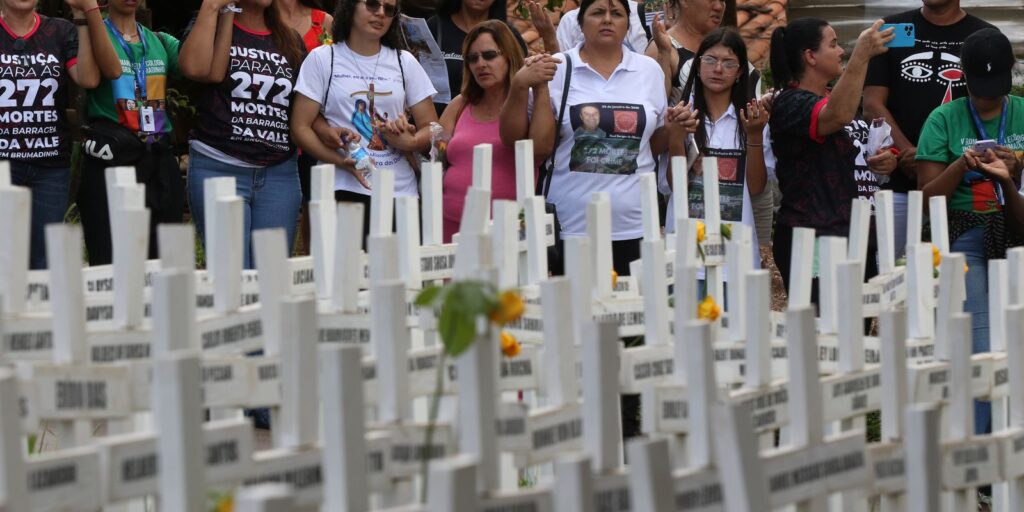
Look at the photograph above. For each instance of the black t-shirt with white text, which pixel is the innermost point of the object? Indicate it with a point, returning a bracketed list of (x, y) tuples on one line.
[(922, 77), (246, 115), (34, 92)]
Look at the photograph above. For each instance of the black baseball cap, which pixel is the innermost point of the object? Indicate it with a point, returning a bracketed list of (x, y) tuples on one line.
[(987, 60)]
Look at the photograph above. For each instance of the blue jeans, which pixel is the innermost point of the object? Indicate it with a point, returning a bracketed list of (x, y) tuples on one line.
[(271, 196), (972, 245), (50, 189)]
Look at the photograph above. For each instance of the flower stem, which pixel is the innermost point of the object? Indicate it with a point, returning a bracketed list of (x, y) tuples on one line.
[(435, 404)]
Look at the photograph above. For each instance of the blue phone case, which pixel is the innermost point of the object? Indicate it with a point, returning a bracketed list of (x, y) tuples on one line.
[(905, 35)]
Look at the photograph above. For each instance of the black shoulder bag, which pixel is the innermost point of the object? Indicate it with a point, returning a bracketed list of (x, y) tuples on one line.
[(556, 253)]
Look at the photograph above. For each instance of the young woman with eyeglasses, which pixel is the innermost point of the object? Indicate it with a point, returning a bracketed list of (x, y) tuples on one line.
[(731, 130), (363, 85), (38, 56), (491, 57), (250, 60)]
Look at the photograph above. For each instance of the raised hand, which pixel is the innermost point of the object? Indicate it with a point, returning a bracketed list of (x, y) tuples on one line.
[(660, 35), (754, 118), (540, 18), (872, 40), (537, 69), (81, 5)]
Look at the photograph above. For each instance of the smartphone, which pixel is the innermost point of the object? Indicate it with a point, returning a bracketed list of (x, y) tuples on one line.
[(983, 145), (905, 35)]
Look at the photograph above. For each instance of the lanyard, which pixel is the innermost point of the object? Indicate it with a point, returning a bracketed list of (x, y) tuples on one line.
[(140, 69), (982, 134)]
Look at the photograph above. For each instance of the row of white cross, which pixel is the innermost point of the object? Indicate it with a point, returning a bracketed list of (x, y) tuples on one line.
[(112, 344)]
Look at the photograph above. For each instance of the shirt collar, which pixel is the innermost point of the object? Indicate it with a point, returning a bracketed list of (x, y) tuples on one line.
[(628, 63)]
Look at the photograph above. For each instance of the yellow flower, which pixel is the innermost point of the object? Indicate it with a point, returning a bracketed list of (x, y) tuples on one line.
[(509, 346), (936, 256), (615, 278), (966, 268), (510, 307), (726, 231), (708, 310), (226, 504), (700, 231)]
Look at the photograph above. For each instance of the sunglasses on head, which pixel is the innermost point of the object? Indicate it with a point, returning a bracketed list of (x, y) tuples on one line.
[(390, 10), (487, 55)]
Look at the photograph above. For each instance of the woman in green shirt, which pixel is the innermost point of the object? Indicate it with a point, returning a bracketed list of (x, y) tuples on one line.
[(984, 209), (129, 125)]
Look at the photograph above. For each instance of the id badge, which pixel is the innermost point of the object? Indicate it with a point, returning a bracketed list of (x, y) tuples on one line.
[(147, 119)]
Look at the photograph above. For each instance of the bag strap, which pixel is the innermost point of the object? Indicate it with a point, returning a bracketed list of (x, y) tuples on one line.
[(558, 125)]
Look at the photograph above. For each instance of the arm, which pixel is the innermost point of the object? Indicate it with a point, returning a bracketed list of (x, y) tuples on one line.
[(515, 122), (542, 22), (451, 114), (939, 179), (542, 125), (404, 137), (204, 54), (96, 56), (845, 98), (660, 49), (876, 98), (304, 113), (998, 171), (753, 119)]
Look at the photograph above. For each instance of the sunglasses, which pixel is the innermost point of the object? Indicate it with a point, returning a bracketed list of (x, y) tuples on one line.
[(487, 55), (390, 10)]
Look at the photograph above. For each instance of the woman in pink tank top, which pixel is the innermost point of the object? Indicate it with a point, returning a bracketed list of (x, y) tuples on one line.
[(491, 58)]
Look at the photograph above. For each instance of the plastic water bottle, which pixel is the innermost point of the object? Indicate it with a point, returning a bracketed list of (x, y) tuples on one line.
[(364, 163)]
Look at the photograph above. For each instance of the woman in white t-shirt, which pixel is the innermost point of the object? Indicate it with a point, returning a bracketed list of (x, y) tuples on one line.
[(613, 125), (732, 129), (363, 85)]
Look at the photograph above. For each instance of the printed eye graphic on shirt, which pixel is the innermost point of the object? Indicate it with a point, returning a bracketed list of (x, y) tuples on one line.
[(938, 66), (365, 116), (606, 137)]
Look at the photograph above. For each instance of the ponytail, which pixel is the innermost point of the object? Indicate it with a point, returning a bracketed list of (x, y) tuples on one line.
[(787, 49)]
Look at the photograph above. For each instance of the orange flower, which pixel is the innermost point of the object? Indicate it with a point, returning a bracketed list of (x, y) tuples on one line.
[(509, 346), (615, 278), (700, 231), (966, 268), (708, 310), (226, 504), (936, 256), (510, 307)]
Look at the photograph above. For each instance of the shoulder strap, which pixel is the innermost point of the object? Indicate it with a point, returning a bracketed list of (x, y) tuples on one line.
[(327, 90), (558, 124), (401, 70)]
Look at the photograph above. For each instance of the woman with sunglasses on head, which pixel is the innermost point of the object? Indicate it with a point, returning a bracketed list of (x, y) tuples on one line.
[(817, 138), (732, 130), (492, 57), (129, 125), (363, 85), (454, 20), (38, 56), (249, 59)]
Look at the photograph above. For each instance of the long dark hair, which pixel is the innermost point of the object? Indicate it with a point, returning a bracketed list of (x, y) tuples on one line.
[(788, 46), (510, 51), (731, 39), (345, 12), (498, 10), (285, 38)]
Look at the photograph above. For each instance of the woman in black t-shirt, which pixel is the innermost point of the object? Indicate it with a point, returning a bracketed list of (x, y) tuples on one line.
[(37, 56), (815, 152), (250, 59)]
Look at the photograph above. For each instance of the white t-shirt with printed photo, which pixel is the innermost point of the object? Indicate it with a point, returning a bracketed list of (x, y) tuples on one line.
[(352, 103), (604, 142)]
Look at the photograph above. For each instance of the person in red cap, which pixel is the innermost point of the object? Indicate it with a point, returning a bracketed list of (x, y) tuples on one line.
[(980, 180)]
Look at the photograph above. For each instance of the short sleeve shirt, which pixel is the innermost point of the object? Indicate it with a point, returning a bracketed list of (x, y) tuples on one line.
[(246, 115), (34, 92), (816, 172), (604, 142), (359, 91), (121, 100), (921, 77), (949, 131)]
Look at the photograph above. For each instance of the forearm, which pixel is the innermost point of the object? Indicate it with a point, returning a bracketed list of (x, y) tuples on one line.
[(197, 54), (550, 42), (514, 122), (757, 172), (103, 52), (945, 182), (542, 127), (659, 141), (304, 136), (845, 98)]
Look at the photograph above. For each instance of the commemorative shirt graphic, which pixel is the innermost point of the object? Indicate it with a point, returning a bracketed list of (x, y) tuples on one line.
[(33, 92), (606, 137)]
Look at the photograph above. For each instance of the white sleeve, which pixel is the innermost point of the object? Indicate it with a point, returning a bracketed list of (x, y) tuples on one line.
[(568, 32), (418, 86), (312, 82), (769, 156), (637, 37)]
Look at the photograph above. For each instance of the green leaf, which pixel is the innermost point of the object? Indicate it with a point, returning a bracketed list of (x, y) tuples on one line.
[(457, 329), (428, 296)]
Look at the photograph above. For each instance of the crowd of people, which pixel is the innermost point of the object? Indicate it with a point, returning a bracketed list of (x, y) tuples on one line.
[(286, 85)]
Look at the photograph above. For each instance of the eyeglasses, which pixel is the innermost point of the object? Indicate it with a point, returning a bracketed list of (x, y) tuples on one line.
[(390, 10), (728, 65), (487, 55)]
